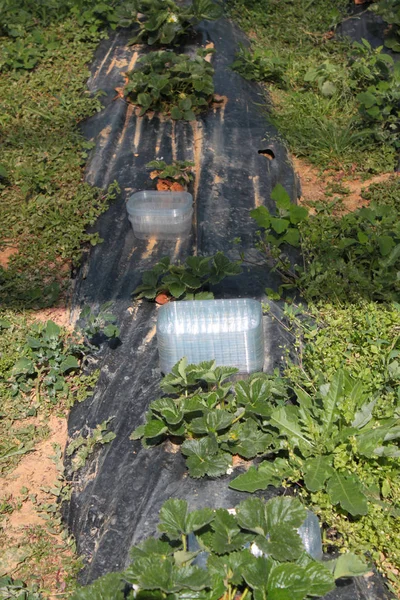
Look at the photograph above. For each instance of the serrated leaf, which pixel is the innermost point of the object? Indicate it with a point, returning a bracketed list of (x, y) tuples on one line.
[(212, 422), (168, 409), (316, 471), (227, 535), (230, 567), (173, 515), (283, 544), (138, 433), (109, 586), (251, 515), (247, 439), (286, 419), (150, 547), (289, 578), (262, 216), (154, 428), (23, 366), (283, 510), (279, 225), (197, 519), (204, 458), (257, 573), (320, 579), (346, 491)]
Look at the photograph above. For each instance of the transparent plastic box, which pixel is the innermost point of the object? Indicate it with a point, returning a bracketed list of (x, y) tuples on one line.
[(227, 331), (163, 215)]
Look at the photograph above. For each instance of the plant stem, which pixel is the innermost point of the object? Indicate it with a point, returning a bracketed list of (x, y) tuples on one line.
[(184, 543)]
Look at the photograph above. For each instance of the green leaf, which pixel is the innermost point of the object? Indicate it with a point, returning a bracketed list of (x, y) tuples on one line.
[(284, 543), (230, 567), (316, 472), (286, 419), (192, 578), (281, 197), (367, 99), (331, 396), (320, 579), (386, 244), (154, 428), (197, 519), (349, 565), (173, 515), (212, 422), (204, 458), (251, 516), (52, 330), (3, 172), (227, 536), (109, 586), (283, 510), (248, 440), (328, 89), (24, 366), (346, 491), (259, 479), (262, 217), (257, 573), (177, 289), (176, 114), (279, 225), (168, 409), (69, 363), (291, 579), (297, 214), (292, 237)]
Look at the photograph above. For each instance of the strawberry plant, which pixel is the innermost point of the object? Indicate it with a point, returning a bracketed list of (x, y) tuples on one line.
[(210, 418), (174, 84), (179, 171), (256, 552), (186, 281), (164, 21)]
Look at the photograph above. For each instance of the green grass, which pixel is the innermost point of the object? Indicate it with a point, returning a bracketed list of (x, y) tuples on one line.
[(45, 206), (324, 129)]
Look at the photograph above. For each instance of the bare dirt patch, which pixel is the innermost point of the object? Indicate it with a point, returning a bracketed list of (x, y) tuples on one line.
[(59, 314), (6, 254), (320, 187), (27, 546)]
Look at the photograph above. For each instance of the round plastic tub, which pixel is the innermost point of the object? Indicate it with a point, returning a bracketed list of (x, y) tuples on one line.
[(163, 215)]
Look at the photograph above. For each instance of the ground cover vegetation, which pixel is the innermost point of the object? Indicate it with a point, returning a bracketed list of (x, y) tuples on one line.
[(335, 102)]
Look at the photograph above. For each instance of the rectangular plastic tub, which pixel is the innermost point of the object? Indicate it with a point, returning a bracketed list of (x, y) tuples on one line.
[(163, 215), (227, 331)]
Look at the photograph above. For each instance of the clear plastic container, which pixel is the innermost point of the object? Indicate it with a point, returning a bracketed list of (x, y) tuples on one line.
[(163, 215), (227, 331), (310, 533)]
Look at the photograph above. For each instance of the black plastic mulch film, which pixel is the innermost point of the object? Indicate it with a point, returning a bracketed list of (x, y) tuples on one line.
[(119, 492)]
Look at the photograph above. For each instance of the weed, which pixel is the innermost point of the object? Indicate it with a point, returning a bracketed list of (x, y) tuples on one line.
[(343, 257), (317, 110), (186, 281), (80, 448)]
